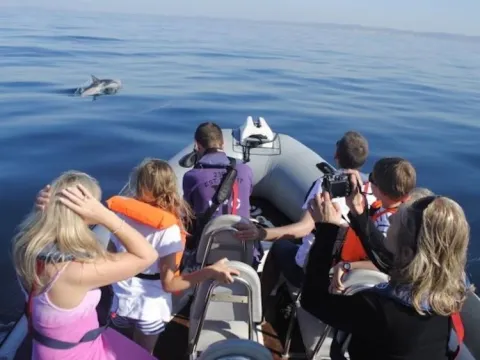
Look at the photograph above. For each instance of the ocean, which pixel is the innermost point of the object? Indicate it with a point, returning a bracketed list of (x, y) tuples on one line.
[(412, 95)]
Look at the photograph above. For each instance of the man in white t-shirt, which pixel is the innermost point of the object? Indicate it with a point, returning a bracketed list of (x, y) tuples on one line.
[(286, 256), (307, 240)]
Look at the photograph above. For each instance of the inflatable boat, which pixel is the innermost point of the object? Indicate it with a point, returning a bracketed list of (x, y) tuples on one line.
[(214, 321)]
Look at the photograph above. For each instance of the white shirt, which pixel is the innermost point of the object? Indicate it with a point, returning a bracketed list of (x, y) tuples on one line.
[(142, 299), (307, 240)]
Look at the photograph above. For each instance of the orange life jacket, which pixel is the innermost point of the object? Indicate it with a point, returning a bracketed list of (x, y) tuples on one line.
[(149, 215), (352, 249)]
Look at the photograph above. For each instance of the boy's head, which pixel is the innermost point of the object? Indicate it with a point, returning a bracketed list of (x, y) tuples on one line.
[(392, 179), (208, 136), (352, 151)]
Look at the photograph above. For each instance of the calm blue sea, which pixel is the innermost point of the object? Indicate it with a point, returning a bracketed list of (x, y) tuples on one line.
[(413, 95)]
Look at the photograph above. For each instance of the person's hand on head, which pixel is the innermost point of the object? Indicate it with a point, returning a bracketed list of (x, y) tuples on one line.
[(323, 210), (356, 200), (222, 272), (248, 232), (43, 197), (82, 202)]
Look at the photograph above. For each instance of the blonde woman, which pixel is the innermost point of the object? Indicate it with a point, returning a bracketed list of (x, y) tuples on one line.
[(61, 267), (412, 316)]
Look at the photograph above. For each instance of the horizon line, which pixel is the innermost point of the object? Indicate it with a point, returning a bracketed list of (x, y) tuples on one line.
[(430, 33)]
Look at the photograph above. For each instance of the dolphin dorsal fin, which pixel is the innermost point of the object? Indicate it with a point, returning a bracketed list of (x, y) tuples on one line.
[(95, 79)]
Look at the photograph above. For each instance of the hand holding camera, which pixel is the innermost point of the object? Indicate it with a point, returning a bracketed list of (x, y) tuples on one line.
[(347, 185), (337, 185), (356, 200)]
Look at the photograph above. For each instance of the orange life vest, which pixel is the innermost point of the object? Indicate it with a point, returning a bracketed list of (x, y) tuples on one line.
[(352, 249), (149, 215)]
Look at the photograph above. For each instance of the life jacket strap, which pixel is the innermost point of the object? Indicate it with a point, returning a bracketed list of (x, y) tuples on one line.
[(457, 325), (64, 345), (228, 187), (155, 276)]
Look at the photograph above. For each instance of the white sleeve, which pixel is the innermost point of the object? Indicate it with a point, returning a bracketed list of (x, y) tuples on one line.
[(170, 241), (315, 189)]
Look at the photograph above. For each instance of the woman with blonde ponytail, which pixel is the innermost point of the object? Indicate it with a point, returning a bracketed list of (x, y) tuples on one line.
[(61, 266)]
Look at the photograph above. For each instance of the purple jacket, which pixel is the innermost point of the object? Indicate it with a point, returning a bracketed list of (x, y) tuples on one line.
[(199, 185)]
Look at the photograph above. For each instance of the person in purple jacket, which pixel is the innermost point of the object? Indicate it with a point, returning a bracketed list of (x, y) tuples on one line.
[(201, 183)]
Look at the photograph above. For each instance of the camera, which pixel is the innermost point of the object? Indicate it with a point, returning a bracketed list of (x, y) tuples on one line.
[(338, 185)]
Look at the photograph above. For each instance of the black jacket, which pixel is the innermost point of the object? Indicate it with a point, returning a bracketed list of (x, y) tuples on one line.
[(381, 328), (373, 241)]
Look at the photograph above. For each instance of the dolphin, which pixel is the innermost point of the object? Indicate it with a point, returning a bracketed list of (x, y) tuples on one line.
[(101, 87)]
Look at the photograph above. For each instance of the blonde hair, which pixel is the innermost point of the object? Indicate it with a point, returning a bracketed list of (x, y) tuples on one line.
[(433, 262), (154, 182), (55, 225)]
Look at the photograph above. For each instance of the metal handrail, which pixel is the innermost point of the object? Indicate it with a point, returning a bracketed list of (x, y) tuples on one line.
[(213, 285), (210, 243)]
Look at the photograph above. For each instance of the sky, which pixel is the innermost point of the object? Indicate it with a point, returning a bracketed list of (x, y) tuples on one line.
[(448, 16)]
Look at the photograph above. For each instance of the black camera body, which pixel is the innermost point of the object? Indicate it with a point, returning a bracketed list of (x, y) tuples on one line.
[(338, 185)]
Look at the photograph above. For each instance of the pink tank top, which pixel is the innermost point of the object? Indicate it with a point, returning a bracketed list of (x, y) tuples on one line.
[(71, 324)]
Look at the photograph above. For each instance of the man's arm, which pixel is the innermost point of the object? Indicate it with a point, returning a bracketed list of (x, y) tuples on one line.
[(301, 228), (292, 231)]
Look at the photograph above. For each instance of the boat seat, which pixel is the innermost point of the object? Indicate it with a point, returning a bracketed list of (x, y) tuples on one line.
[(317, 336), (238, 349), (362, 279), (237, 310), (218, 241)]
